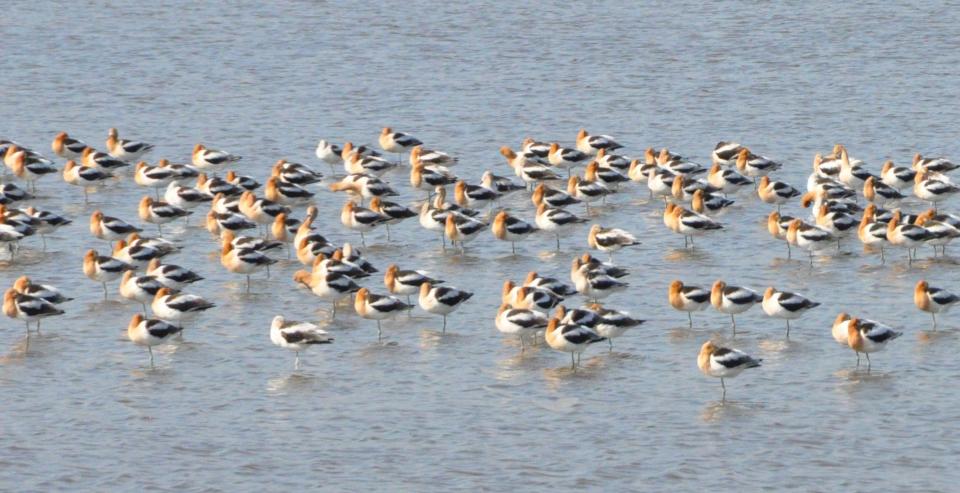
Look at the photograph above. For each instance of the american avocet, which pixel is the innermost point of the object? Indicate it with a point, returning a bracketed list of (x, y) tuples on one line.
[(150, 332), (732, 300), (587, 191), (934, 164), (809, 237), (97, 159), (24, 285), (852, 172), (360, 219), (378, 307), (580, 316), (331, 286), (609, 240), (297, 336), (689, 223), (612, 161), (933, 300), (595, 284), (286, 193), (295, 173), (441, 300), (839, 330), (566, 158), (172, 276), (179, 307), (932, 189), (28, 308), (909, 236), (391, 211), (397, 142), (141, 289), (473, 196), (329, 153), (529, 169), (752, 165), (660, 183), (705, 203), (639, 172), (827, 165), (570, 338), (84, 176), (867, 336), (159, 212), (540, 149), (260, 211), (819, 197), (10, 193), (103, 269), (688, 298), (509, 228), (183, 171), (683, 188), (881, 194), (785, 305), (204, 158), (126, 150), (67, 147), (871, 232), (371, 165), (499, 184), (591, 144), (165, 246), (218, 222), (588, 263), (775, 192), (13, 151), (607, 176), (430, 157), (721, 362), (31, 170), (549, 283), (434, 219), (556, 221), (363, 186), (727, 180), (406, 282), (460, 229), (612, 323), (427, 178), (215, 185), (154, 177), (520, 321), (840, 224), (185, 197), (363, 150), (553, 197), (284, 228), (724, 153), (897, 177), (243, 260), (135, 255), (110, 228), (245, 182), (941, 232), (529, 297)]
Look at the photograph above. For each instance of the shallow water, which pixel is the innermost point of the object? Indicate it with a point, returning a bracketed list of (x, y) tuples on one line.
[(467, 410)]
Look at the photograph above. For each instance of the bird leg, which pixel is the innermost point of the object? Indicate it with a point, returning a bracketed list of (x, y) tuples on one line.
[(788, 329), (444, 324), (379, 332), (690, 319)]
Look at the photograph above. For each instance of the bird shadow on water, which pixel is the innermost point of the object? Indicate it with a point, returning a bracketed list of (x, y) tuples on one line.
[(854, 379), (930, 336), (678, 254), (725, 410), (295, 381)]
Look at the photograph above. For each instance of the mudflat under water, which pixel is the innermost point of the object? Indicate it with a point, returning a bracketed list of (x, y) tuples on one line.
[(224, 410)]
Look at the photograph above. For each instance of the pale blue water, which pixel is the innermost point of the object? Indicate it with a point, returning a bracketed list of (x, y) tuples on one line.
[(466, 411)]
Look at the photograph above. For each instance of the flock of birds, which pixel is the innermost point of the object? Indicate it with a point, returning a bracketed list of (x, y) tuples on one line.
[(694, 196)]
